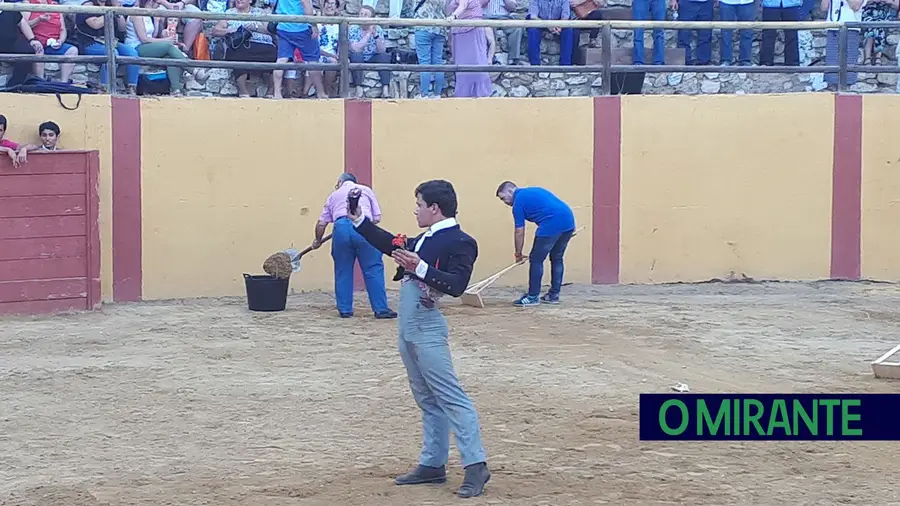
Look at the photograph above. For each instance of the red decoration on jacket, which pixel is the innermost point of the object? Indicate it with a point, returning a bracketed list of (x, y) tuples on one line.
[(399, 241)]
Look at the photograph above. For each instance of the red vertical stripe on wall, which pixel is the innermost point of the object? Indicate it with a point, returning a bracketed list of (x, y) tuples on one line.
[(126, 198), (358, 140), (607, 179), (358, 153), (846, 204)]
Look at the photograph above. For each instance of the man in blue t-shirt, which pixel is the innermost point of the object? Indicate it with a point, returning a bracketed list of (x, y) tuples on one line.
[(556, 224), (301, 37)]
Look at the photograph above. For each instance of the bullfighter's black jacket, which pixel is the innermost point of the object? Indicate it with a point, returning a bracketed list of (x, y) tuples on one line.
[(449, 254)]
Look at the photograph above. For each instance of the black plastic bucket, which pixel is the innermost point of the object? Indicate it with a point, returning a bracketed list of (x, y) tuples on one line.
[(266, 293)]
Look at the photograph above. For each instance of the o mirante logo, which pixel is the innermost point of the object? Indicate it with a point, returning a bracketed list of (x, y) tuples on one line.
[(870, 417)]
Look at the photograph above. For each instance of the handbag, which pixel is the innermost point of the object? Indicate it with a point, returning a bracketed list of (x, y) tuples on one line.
[(402, 56), (583, 9), (238, 38), (230, 42)]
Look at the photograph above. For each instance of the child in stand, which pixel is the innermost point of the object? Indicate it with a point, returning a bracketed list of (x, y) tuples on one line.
[(12, 149), (49, 132)]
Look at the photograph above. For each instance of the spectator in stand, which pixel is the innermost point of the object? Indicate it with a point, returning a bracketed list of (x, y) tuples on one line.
[(842, 11), (367, 46), (12, 149), (695, 10), (491, 45), (430, 42), (190, 28), (737, 10), (146, 35), (50, 30), (594, 14), (12, 27), (297, 36), (328, 47), (49, 133), (469, 47), (260, 48), (503, 9), (876, 38), (91, 32), (780, 10), (655, 10), (551, 10)]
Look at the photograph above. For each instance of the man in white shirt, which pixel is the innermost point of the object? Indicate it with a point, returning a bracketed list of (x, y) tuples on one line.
[(437, 262), (842, 11)]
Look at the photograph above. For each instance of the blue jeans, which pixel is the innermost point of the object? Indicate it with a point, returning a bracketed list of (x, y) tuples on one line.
[(566, 45), (425, 351), (806, 9), (131, 71), (696, 11), (729, 12), (430, 51), (347, 246), (646, 10), (791, 42), (555, 246)]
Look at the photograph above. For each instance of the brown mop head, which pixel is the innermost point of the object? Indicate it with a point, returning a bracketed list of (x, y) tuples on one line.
[(278, 265)]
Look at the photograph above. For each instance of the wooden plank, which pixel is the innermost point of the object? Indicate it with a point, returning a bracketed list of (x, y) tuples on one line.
[(20, 291), (43, 247), (884, 369), (45, 226), (48, 205), (20, 185), (52, 163), (33, 307), (92, 193), (43, 268), (472, 299)]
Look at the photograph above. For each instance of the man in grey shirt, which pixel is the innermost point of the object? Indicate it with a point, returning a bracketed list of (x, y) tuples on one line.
[(502, 9)]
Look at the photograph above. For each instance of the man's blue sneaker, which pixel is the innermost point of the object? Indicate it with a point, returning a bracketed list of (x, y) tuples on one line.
[(527, 300), (550, 299)]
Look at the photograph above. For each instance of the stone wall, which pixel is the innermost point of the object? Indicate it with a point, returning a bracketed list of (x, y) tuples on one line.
[(515, 84)]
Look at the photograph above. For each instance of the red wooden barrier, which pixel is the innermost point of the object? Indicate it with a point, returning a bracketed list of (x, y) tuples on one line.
[(49, 233)]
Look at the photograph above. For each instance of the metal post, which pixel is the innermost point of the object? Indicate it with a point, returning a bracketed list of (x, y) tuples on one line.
[(606, 55), (842, 58), (109, 37), (344, 57)]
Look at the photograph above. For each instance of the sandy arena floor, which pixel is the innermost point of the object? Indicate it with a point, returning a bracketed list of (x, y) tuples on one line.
[(202, 402)]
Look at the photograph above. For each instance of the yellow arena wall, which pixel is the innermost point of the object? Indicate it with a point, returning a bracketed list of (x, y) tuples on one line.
[(196, 192), (225, 183), (476, 145), (721, 186), (88, 127), (881, 187)]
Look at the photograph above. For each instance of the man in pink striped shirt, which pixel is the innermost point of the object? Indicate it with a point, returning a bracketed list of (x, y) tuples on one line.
[(347, 246)]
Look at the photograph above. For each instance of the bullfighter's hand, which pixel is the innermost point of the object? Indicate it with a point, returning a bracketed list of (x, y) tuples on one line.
[(351, 215), (406, 259)]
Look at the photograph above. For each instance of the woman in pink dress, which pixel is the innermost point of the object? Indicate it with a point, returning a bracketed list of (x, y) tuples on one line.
[(469, 47)]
